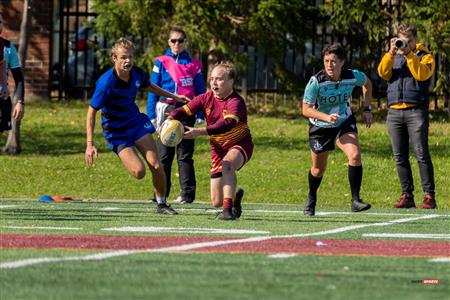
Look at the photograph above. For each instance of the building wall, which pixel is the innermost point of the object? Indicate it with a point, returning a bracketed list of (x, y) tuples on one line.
[(37, 64)]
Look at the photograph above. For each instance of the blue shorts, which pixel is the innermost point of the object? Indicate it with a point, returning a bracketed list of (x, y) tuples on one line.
[(117, 144)]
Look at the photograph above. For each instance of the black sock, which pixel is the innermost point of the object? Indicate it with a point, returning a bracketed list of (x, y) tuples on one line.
[(314, 183), (355, 178)]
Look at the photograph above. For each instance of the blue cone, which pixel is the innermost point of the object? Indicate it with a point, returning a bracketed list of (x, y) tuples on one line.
[(45, 198)]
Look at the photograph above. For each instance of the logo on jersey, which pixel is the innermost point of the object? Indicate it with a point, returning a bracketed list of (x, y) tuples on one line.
[(353, 126), (208, 111), (137, 83), (317, 146), (186, 81), (148, 125)]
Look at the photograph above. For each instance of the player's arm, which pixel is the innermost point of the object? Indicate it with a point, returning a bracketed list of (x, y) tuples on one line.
[(161, 92), (91, 150), (367, 97), (19, 109), (309, 111)]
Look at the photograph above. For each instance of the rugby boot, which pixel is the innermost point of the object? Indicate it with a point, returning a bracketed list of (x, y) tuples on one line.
[(359, 205), (226, 215), (406, 201), (165, 209), (237, 207), (429, 202), (310, 207)]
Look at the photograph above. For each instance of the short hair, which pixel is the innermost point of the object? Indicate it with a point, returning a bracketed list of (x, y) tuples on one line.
[(336, 49), (407, 28), (122, 43), (176, 29), (229, 68)]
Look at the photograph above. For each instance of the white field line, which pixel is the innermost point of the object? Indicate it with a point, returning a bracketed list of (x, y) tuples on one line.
[(282, 255), (193, 246), (440, 259), (40, 227), (8, 206), (409, 235), (184, 230)]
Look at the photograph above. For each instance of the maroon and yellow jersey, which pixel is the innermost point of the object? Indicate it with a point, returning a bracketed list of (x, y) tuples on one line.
[(217, 111)]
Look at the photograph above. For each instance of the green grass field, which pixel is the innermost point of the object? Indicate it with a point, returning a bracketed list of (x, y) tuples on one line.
[(112, 244), (215, 275)]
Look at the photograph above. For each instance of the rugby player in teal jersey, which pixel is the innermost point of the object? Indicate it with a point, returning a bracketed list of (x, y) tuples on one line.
[(124, 126), (327, 104)]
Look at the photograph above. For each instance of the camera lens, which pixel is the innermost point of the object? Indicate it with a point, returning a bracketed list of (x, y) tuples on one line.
[(400, 43)]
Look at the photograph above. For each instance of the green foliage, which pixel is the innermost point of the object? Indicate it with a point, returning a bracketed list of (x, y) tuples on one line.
[(431, 19)]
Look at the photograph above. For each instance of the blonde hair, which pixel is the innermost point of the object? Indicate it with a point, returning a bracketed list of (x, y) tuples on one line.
[(229, 68), (122, 43)]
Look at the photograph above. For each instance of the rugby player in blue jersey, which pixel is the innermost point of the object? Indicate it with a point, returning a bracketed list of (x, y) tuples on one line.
[(327, 104), (124, 126)]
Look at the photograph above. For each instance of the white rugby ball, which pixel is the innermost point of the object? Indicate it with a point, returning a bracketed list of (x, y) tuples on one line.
[(171, 133)]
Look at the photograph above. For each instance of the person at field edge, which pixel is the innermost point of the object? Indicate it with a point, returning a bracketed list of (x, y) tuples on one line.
[(407, 67), (229, 136), (10, 62), (327, 104), (176, 72), (124, 127)]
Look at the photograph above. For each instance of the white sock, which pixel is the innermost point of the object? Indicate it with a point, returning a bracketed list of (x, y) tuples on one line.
[(160, 200)]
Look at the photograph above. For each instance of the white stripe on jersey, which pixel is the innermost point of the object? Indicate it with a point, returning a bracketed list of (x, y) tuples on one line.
[(155, 69)]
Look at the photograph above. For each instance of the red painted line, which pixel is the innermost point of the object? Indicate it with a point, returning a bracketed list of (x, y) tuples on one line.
[(278, 245)]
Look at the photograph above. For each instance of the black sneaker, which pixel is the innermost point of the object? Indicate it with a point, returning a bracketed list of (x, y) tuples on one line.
[(226, 215), (359, 205), (310, 207), (165, 209), (237, 208)]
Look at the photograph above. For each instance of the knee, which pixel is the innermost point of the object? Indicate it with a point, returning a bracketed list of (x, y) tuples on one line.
[(138, 173), (227, 167), (354, 158), (317, 172)]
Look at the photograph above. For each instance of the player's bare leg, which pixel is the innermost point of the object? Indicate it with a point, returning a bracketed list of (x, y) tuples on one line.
[(147, 147), (349, 144)]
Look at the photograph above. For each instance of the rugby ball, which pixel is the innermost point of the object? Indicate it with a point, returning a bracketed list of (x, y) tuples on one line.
[(171, 132)]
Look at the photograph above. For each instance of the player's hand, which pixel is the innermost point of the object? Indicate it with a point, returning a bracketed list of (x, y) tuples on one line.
[(368, 118), (190, 133), (183, 99), (89, 154), (333, 118), (18, 112)]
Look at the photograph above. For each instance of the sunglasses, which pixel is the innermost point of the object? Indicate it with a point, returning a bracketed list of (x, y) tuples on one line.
[(174, 41)]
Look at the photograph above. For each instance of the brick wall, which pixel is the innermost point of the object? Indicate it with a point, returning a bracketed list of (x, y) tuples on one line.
[(37, 66)]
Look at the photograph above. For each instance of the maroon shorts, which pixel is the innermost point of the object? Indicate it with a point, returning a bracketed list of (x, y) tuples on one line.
[(217, 155)]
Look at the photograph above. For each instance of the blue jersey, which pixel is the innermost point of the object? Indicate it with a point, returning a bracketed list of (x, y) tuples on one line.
[(333, 96), (10, 55), (116, 99)]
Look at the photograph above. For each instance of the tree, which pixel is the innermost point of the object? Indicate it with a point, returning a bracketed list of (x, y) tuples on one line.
[(13, 142)]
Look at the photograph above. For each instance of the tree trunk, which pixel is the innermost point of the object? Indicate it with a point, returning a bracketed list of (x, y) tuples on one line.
[(12, 146)]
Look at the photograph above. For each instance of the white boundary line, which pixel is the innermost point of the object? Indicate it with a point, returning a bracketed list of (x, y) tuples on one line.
[(409, 235), (192, 246), (40, 227)]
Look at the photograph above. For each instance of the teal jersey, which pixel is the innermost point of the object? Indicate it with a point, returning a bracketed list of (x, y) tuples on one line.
[(333, 96)]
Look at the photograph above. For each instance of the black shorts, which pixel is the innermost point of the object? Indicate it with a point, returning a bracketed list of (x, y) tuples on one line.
[(322, 139), (5, 113)]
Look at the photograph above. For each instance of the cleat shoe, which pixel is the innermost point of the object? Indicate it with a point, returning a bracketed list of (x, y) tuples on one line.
[(359, 205), (237, 208), (429, 202), (226, 215), (165, 209), (406, 202), (310, 207), (181, 200)]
